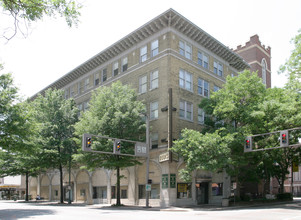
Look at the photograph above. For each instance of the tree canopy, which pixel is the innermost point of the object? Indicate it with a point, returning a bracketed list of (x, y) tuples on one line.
[(113, 112), (29, 11)]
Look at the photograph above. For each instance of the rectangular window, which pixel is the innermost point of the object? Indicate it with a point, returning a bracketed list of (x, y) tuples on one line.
[(80, 87), (124, 64), (203, 87), (154, 193), (113, 192), (143, 54), (218, 68), (87, 84), (124, 194), (186, 110), (143, 84), (154, 79), (115, 69), (200, 58), (216, 88), (104, 75), (72, 91), (154, 110), (215, 67), (185, 80), (96, 79), (154, 140), (201, 116), (206, 61), (100, 192), (185, 49), (154, 48), (217, 189), (67, 92), (183, 190)]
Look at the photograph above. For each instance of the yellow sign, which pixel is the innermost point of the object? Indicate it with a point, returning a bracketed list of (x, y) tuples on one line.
[(182, 187), (295, 167)]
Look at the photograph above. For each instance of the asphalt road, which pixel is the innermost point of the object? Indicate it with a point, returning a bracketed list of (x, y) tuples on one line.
[(10, 210)]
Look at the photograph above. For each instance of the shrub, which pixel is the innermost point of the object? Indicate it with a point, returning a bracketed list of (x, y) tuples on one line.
[(284, 196)]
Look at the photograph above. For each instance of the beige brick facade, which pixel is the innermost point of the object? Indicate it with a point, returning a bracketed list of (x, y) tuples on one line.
[(152, 74)]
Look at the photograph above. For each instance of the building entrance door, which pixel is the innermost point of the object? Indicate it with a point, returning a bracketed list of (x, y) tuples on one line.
[(202, 190)]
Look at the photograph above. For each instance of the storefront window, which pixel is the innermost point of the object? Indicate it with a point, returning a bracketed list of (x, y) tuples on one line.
[(217, 189), (183, 190), (100, 192), (154, 193)]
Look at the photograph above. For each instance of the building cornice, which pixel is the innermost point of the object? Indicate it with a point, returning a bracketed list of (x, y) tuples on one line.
[(168, 19)]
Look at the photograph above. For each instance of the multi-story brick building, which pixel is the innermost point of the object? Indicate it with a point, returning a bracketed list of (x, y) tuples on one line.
[(258, 57), (173, 64)]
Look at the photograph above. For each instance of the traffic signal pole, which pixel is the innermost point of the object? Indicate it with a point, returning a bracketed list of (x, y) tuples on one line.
[(147, 161)]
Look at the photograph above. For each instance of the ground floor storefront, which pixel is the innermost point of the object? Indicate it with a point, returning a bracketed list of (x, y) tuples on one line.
[(166, 188)]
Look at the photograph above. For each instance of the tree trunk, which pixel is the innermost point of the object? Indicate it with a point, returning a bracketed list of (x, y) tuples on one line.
[(26, 189), (118, 203), (61, 184)]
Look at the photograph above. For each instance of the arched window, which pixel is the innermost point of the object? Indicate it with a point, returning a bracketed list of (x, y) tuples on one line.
[(264, 71)]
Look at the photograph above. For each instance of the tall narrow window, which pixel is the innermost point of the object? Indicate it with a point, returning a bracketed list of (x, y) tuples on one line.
[(201, 116), (154, 110), (264, 71), (115, 68), (185, 49), (104, 75), (203, 87), (154, 140), (143, 54), (87, 84), (154, 48), (143, 84), (96, 79), (154, 79), (185, 80), (215, 67), (200, 58), (186, 110), (218, 68), (124, 64), (206, 61)]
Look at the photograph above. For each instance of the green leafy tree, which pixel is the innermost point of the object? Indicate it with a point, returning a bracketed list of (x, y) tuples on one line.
[(17, 153), (29, 11), (292, 67), (55, 117), (233, 108), (113, 112)]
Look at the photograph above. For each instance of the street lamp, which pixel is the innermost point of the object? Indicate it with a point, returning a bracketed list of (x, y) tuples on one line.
[(147, 160)]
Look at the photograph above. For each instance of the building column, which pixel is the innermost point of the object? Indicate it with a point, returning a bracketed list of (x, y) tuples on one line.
[(90, 191), (109, 193), (38, 185)]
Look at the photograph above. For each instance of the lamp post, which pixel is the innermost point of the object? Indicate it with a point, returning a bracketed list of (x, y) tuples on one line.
[(147, 158)]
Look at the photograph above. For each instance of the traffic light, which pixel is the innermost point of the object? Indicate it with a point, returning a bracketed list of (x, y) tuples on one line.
[(284, 142), (88, 142), (117, 147), (248, 144)]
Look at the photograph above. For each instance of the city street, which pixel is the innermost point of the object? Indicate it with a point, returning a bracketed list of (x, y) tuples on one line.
[(10, 210)]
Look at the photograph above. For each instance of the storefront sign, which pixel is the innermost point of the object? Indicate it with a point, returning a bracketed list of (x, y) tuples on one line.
[(172, 180), (164, 157), (148, 187), (182, 187)]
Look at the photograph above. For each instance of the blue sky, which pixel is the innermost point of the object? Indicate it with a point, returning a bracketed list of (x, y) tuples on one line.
[(52, 49)]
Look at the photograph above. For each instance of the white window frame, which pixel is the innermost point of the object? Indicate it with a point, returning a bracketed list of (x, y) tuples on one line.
[(154, 48), (185, 49), (201, 86), (115, 67), (87, 83), (205, 61), (154, 79), (216, 88), (186, 80), (124, 64), (154, 110), (201, 116), (143, 54), (264, 71), (104, 74), (143, 84), (96, 77), (186, 110), (218, 68)]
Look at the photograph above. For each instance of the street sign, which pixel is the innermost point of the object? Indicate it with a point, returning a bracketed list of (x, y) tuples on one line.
[(148, 187), (140, 149)]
